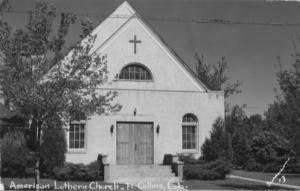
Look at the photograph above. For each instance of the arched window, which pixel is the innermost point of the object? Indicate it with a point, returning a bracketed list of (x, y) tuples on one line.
[(135, 72), (189, 131)]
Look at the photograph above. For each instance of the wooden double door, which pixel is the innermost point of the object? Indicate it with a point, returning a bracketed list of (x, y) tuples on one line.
[(135, 143)]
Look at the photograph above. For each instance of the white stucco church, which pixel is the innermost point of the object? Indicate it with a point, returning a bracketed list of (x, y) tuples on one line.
[(165, 108)]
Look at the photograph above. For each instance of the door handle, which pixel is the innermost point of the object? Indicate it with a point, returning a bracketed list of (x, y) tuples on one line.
[(135, 146)]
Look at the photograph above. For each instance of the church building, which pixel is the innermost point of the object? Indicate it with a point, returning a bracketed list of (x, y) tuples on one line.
[(165, 108)]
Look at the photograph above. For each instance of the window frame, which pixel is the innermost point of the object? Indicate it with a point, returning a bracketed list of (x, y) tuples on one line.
[(78, 150), (194, 124), (131, 70)]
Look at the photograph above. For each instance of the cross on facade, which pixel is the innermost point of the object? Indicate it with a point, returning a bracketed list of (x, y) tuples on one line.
[(135, 41)]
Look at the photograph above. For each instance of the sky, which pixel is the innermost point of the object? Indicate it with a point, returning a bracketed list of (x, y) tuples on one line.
[(251, 51)]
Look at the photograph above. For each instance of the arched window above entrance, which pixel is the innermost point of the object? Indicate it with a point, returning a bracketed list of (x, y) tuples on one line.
[(135, 71)]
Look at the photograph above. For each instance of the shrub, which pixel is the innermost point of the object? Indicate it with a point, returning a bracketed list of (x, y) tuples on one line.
[(207, 171), (216, 146), (253, 166), (196, 172), (241, 153), (274, 166), (293, 168), (16, 159), (53, 151), (95, 170), (188, 159), (80, 172)]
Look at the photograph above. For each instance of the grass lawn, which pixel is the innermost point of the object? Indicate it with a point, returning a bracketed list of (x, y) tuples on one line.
[(237, 184), (227, 184), (290, 179), (47, 184)]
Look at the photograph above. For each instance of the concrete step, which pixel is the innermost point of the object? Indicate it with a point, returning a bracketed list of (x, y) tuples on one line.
[(136, 173), (141, 175), (136, 169), (146, 180), (141, 171), (154, 167)]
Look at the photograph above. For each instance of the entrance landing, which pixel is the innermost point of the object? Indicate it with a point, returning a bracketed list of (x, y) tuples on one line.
[(145, 177)]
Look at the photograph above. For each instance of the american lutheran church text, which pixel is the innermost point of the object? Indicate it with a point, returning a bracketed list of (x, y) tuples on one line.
[(165, 108)]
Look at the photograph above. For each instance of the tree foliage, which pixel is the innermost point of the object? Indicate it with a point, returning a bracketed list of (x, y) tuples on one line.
[(284, 114), (16, 159), (214, 76), (253, 142), (44, 81), (247, 142), (214, 147), (53, 149)]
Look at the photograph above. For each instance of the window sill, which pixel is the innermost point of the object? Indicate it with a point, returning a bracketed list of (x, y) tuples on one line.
[(125, 80), (76, 151), (189, 151)]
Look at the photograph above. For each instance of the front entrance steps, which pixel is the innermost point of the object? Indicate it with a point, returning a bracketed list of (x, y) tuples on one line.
[(143, 174)]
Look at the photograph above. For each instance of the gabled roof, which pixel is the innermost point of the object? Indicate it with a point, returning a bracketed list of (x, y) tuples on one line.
[(113, 23), (124, 13), (172, 51)]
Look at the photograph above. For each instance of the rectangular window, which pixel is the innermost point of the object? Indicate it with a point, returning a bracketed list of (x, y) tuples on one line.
[(76, 136), (188, 137)]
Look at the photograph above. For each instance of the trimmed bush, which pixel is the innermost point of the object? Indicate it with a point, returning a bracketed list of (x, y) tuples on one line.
[(16, 159), (53, 151), (272, 167), (216, 146), (80, 172), (188, 159), (253, 166), (95, 170), (207, 171), (293, 168)]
